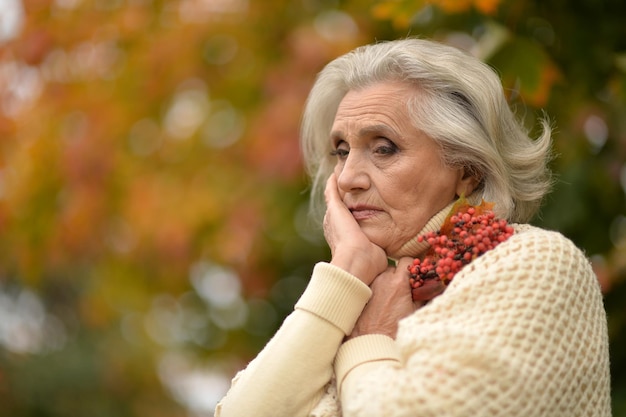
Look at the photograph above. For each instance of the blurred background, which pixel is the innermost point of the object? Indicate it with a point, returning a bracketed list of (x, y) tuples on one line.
[(153, 204)]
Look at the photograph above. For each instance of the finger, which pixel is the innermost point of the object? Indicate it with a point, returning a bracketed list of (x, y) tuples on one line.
[(396, 277), (331, 193), (401, 270), (337, 212), (404, 263)]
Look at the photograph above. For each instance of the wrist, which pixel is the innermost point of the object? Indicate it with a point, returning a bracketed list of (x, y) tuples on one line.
[(362, 270)]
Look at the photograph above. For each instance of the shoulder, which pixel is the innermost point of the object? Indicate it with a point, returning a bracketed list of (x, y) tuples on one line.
[(537, 274), (533, 255), (544, 245), (524, 231)]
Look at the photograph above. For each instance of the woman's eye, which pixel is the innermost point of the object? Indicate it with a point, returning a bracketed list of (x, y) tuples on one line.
[(387, 149), (340, 151)]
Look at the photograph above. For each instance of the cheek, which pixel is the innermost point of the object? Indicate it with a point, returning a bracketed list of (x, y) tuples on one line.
[(403, 192), (410, 207), (416, 200)]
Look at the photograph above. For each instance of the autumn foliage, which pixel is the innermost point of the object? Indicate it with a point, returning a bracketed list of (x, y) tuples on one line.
[(153, 227)]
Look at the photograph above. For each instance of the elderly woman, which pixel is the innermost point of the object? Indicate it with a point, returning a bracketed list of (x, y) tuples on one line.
[(393, 134)]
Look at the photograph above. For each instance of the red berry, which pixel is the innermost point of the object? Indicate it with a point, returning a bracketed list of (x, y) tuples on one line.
[(466, 234)]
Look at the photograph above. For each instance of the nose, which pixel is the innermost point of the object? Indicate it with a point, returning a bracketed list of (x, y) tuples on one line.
[(352, 174)]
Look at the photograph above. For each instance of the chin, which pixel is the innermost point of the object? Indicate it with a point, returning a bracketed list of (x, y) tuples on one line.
[(392, 249), (381, 238)]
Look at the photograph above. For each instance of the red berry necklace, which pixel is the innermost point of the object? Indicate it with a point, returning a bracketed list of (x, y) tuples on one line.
[(467, 233)]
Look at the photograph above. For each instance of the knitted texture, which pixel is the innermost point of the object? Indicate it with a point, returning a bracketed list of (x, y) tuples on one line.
[(329, 405), (521, 331)]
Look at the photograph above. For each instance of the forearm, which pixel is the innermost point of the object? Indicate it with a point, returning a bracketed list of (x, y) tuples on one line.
[(288, 377), (361, 351)]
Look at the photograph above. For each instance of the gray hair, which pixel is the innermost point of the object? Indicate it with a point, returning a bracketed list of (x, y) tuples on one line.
[(461, 105)]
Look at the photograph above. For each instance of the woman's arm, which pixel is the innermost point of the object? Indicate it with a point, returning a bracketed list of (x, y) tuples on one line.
[(288, 377), (521, 331)]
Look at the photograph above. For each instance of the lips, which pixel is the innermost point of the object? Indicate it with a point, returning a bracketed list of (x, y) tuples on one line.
[(364, 212)]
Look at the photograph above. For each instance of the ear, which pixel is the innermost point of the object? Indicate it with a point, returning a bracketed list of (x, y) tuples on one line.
[(467, 182)]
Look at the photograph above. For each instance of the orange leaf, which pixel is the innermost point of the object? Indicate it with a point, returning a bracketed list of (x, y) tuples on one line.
[(488, 7), (462, 205)]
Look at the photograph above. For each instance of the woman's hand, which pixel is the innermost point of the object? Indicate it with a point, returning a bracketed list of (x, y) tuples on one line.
[(391, 301), (350, 249)]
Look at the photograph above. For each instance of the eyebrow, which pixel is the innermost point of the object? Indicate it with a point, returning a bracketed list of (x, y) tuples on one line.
[(368, 130)]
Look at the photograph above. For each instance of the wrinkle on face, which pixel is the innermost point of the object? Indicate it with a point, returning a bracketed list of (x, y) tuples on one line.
[(406, 187)]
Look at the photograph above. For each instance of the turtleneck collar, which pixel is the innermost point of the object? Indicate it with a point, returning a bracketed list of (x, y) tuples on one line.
[(415, 249)]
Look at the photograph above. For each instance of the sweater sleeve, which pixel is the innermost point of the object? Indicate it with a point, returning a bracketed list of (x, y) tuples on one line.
[(288, 376), (521, 331)]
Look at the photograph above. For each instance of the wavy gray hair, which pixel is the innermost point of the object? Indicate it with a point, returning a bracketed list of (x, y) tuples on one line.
[(461, 105)]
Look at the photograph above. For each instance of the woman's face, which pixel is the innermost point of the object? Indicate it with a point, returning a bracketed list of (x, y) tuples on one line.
[(390, 175)]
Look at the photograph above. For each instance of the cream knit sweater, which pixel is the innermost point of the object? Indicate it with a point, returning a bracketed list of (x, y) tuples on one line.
[(520, 331)]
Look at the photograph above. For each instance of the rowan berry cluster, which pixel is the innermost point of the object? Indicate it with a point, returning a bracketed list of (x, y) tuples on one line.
[(467, 233)]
